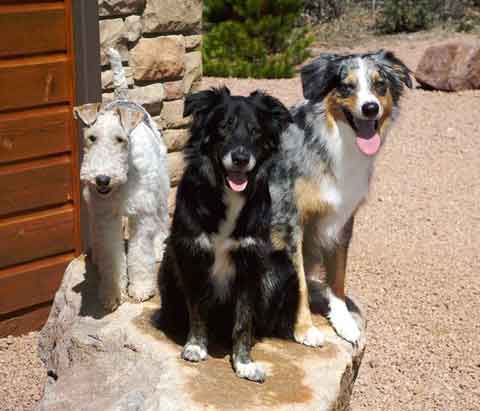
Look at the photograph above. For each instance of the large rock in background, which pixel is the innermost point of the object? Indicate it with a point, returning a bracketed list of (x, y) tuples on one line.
[(121, 362), (173, 16), (450, 67)]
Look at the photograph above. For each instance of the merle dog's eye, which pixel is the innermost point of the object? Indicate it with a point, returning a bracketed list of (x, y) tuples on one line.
[(345, 89), (380, 86), (92, 139)]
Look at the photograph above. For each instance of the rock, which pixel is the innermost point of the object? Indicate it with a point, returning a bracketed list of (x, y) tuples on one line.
[(107, 78), (176, 164), (121, 362), (193, 42), (193, 69), (174, 90), (172, 16), (151, 97), (108, 8), (172, 115), (133, 28), (176, 139), (112, 34), (450, 67), (158, 58)]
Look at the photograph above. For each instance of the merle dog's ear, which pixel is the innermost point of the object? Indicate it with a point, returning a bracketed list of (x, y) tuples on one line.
[(87, 113), (129, 118), (319, 76), (279, 116), (204, 101), (393, 66)]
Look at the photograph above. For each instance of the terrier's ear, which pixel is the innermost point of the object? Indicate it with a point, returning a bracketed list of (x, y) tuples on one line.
[(129, 118), (87, 113)]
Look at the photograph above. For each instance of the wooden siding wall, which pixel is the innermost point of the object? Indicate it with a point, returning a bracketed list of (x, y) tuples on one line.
[(39, 184)]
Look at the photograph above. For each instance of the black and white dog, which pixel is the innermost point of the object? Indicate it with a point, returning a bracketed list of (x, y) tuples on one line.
[(217, 253)]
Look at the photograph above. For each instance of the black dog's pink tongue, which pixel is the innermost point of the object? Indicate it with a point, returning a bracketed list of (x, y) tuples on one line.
[(368, 140), (237, 181)]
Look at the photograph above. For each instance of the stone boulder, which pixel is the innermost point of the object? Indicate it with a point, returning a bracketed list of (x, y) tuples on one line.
[(450, 67), (122, 361), (112, 34), (159, 58), (108, 8), (151, 97), (172, 16)]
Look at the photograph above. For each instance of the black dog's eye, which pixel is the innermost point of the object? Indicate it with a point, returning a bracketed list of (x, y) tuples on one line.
[(345, 89), (92, 139), (380, 86)]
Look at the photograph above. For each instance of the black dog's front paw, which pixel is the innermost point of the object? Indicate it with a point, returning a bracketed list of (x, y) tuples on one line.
[(194, 352), (252, 371)]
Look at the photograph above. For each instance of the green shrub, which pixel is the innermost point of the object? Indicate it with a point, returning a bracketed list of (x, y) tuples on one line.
[(414, 15), (254, 38)]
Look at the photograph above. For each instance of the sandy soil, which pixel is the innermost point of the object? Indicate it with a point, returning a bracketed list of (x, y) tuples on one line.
[(414, 261)]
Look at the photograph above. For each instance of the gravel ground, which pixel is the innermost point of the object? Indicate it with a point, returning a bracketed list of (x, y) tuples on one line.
[(414, 261)]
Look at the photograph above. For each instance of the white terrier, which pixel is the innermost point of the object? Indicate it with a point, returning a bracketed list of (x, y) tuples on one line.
[(124, 173)]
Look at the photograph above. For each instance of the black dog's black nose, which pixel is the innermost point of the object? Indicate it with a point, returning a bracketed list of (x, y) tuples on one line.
[(240, 158), (370, 109), (102, 180)]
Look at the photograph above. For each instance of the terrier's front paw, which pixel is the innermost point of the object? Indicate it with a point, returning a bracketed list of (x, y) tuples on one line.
[(252, 371), (141, 292), (312, 337), (194, 352), (343, 322)]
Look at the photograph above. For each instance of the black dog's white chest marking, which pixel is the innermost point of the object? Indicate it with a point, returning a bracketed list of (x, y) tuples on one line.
[(223, 269)]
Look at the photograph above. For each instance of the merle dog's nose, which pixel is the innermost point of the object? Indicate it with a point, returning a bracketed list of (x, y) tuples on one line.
[(102, 180), (370, 109), (240, 158)]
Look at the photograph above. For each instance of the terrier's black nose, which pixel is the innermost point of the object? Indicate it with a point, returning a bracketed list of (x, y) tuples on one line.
[(370, 109), (102, 180), (240, 158)]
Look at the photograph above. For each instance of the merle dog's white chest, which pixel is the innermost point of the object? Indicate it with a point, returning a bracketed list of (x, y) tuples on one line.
[(346, 190), (223, 270)]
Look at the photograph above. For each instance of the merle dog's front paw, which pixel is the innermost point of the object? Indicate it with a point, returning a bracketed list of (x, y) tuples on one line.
[(252, 371), (194, 352)]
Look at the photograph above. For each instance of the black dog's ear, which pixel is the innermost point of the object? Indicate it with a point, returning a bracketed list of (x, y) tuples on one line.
[(319, 76), (273, 115), (204, 100), (272, 107), (393, 66)]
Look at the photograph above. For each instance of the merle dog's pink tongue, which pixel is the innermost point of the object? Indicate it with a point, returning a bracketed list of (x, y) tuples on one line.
[(368, 140), (237, 181)]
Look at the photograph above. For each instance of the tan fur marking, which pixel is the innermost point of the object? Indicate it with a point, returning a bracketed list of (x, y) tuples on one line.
[(334, 105), (387, 103), (336, 264), (278, 240), (309, 202), (304, 317)]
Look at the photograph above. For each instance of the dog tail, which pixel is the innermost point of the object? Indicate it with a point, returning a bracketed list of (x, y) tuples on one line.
[(119, 80)]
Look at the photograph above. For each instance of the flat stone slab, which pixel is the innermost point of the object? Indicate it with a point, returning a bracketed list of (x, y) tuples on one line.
[(121, 361)]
